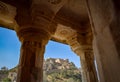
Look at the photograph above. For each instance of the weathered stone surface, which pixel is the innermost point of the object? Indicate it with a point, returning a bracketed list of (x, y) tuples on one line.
[(102, 15), (68, 22)]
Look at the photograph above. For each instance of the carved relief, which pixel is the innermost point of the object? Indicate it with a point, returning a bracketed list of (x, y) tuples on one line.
[(3, 8), (39, 34), (64, 32)]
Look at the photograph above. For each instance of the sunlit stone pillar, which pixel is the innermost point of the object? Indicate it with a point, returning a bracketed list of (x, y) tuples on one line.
[(87, 63), (33, 42), (86, 56)]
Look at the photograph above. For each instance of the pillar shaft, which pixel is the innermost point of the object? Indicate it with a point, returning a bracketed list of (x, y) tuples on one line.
[(88, 67), (31, 62), (30, 67)]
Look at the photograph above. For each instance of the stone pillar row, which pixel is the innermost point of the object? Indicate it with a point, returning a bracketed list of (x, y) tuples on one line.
[(85, 52)]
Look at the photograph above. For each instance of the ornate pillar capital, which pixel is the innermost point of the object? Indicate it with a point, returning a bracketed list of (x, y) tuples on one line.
[(79, 46), (31, 33), (82, 49)]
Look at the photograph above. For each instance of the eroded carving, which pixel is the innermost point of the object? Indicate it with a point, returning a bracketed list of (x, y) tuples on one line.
[(64, 32)]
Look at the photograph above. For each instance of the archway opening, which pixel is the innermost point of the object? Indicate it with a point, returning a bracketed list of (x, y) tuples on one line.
[(10, 52)]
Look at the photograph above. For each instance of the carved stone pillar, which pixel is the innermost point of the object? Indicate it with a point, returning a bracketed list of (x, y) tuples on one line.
[(30, 67), (87, 58), (87, 64)]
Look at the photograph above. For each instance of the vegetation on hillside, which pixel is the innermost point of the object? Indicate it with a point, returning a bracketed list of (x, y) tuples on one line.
[(55, 70), (3, 74), (63, 76), (60, 70)]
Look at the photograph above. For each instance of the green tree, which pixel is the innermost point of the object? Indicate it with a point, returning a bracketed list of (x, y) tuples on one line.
[(4, 68)]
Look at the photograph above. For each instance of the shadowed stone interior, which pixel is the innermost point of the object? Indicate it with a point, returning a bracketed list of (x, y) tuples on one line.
[(90, 27)]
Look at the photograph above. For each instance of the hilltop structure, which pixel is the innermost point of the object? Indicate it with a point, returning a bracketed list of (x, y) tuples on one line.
[(90, 27)]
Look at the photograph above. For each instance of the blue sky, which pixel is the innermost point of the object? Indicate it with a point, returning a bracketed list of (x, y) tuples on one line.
[(10, 50)]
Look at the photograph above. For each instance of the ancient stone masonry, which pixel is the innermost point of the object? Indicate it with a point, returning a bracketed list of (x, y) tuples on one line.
[(34, 37), (69, 22)]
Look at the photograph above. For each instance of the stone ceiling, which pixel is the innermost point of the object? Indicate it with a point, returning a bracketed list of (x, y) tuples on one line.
[(71, 19)]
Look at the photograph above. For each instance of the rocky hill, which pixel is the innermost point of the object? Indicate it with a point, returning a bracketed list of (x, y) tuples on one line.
[(55, 70), (53, 64), (61, 70)]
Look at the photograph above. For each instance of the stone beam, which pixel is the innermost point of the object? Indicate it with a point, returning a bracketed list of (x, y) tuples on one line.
[(7, 15)]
